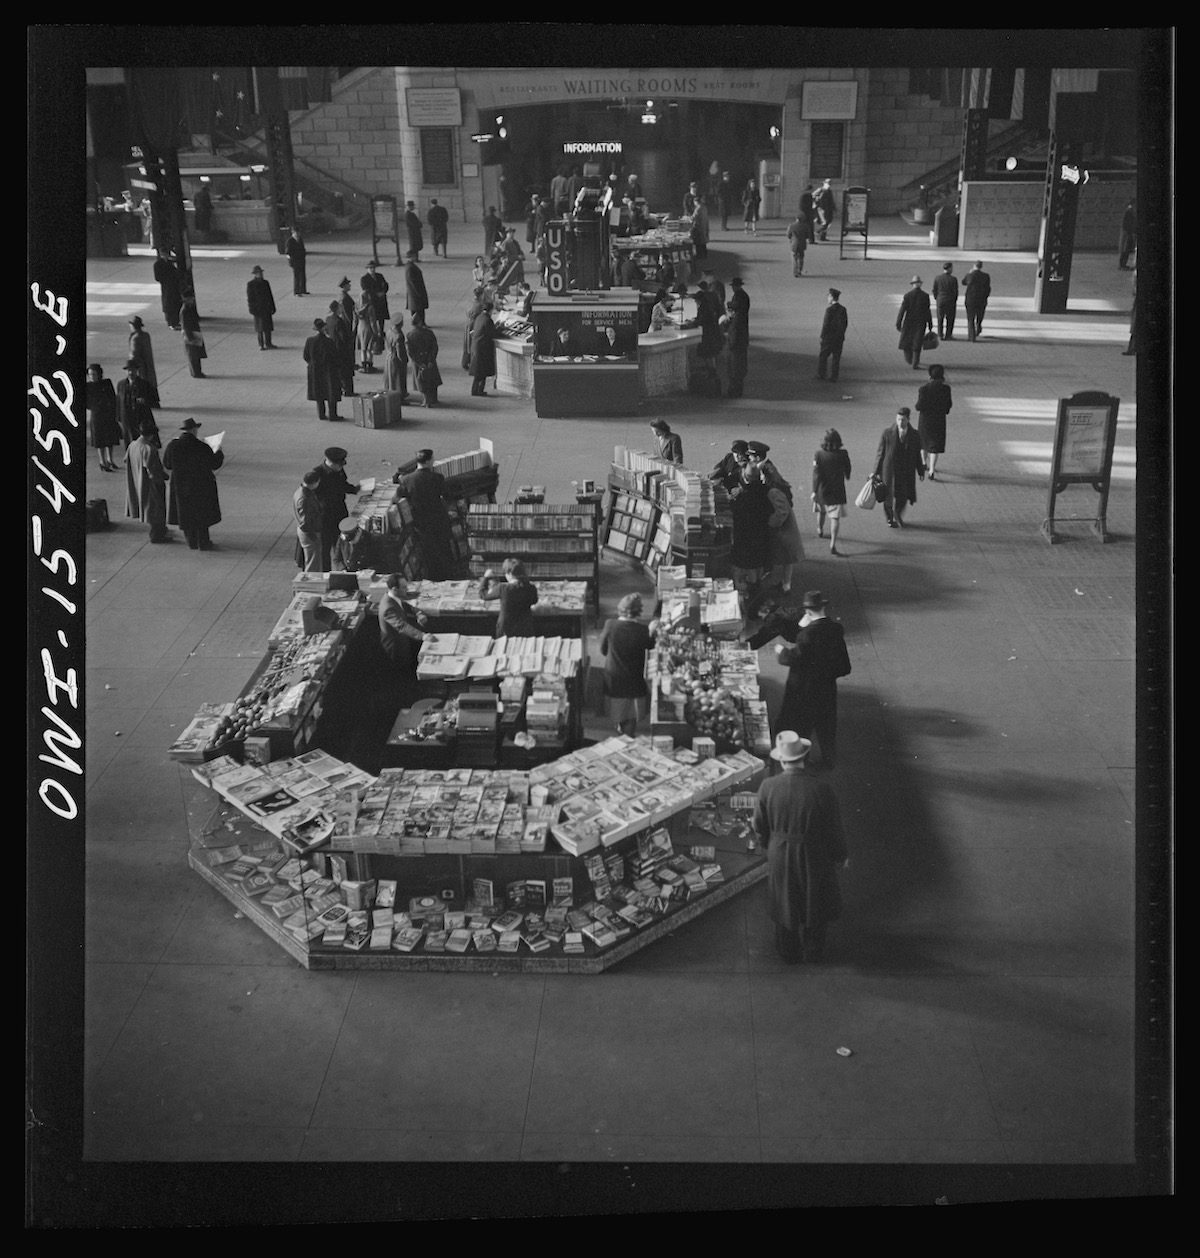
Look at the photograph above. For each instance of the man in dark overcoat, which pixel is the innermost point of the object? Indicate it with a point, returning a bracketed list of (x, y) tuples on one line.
[(913, 321), (438, 219), (134, 410), (416, 299), (798, 821), (483, 350), (331, 489), (324, 378), (260, 301), (826, 208), (202, 202), (728, 472), (1127, 243), (425, 490), (815, 660), (167, 275), (750, 509), (808, 213), (739, 336), (412, 221), (375, 284), (342, 332), (297, 256), (797, 234), (945, 297), (977, 288), (192, 501), (833, 335), (899, 462)]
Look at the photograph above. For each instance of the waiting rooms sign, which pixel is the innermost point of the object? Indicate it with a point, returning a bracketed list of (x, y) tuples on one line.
[(536, 86)]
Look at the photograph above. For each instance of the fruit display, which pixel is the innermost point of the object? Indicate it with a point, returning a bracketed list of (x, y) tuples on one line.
[(717, 714)]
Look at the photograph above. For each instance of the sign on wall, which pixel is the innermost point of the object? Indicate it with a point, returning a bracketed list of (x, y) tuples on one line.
[(829, 101), (433, 106)]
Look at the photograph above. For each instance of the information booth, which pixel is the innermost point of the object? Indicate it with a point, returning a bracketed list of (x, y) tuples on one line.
[(585, 354)]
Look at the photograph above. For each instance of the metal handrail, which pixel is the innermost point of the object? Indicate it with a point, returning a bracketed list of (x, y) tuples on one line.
[(944, 177)]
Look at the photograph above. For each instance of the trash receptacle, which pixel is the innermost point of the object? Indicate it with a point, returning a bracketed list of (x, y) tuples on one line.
[(945, 227)]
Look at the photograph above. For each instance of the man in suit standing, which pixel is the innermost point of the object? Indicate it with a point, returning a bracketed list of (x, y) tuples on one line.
[(425, 490), (808, 213), (739, 336), (977, 288), (797, 234), (331, 489), (945, 295), (899, 461), (439, 226), (417, 299), (913, 321), (167, 275), (261, 303), (833, 334), (826, 207), (412, 221), (297, 254), (815, 660), (134, 410)]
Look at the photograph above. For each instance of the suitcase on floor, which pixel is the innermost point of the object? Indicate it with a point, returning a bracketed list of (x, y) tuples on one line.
[(376, 410), (95, 515)]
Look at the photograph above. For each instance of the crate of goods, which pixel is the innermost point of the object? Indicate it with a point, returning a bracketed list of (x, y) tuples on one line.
[(376, 410)]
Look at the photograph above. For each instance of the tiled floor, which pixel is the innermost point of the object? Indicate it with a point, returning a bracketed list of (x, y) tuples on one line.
[(983, 973)]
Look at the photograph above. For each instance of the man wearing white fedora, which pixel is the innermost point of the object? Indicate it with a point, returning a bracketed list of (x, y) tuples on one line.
[(799, 823)]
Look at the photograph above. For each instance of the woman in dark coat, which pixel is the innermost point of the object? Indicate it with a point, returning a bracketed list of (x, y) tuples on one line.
[(193, 502), (395, 360), (483, 350), (913, 321), (751, 200), (517, 595), (142, 353), (831, 471), (799, 823), (933, 405), (624, 644), (324, 380), (103, 429), (422, 353)]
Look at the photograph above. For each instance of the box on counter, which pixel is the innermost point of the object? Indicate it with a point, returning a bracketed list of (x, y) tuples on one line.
[(256, 749)]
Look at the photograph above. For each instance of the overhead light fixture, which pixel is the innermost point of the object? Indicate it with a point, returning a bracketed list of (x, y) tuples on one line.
[(649, 118), (502, 133), (244, 178), (649, 104), (774, 133)]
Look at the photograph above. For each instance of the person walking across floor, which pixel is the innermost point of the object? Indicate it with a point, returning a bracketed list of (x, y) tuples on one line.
[(146, 485), (798, 821), (425, 489), (103, 428), (306, 508), (412, 223), (945, 298), (899, 463), (797, 234), (815, 657), (739, 336), (624, 642), (141, 351), (483, 350), (1127, 244), (422, 353), (193, 503), (751, 203), (670, 444), (170, 289), (833, 335), (826, 207), (260, 301), (933, 405), (913, 321), (517, 595), (831, 471), (324, 382), (134, 411), (438, 219), (297, 256), (977, 288), (332, 489), (193, 337)]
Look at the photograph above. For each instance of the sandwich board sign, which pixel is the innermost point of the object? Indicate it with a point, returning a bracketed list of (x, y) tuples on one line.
[(1084, 437)]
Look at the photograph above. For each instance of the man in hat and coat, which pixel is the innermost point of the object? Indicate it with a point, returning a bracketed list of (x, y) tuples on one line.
[(750, 509), (425, 490), (331, 489), (977, 288), (134, 408), (826, 208), (343, 333), (377, 286), (797, 234), (416, 298), (142, 353), (833, 335), (815, 659), (899, 463), (324, 377), (297, 256), (728, 472), (482, 360), (412, 222), (438, 219), (306, 508), (798, 821), (945, 297), (146, 485), (167, 275), (739, 336), (350, 551), (913, 321), (756, 452), (260, 301), (192, 502)]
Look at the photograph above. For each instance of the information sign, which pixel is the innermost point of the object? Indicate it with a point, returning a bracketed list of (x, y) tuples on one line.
[(1084, 437), (383, 224), (856, 217)]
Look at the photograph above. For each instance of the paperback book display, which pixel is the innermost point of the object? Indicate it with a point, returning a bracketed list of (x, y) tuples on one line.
[(454, 597), (309, 821)]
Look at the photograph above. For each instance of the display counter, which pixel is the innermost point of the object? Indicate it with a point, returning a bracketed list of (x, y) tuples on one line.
[(664, 360), (665, 257), (514, 367)]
